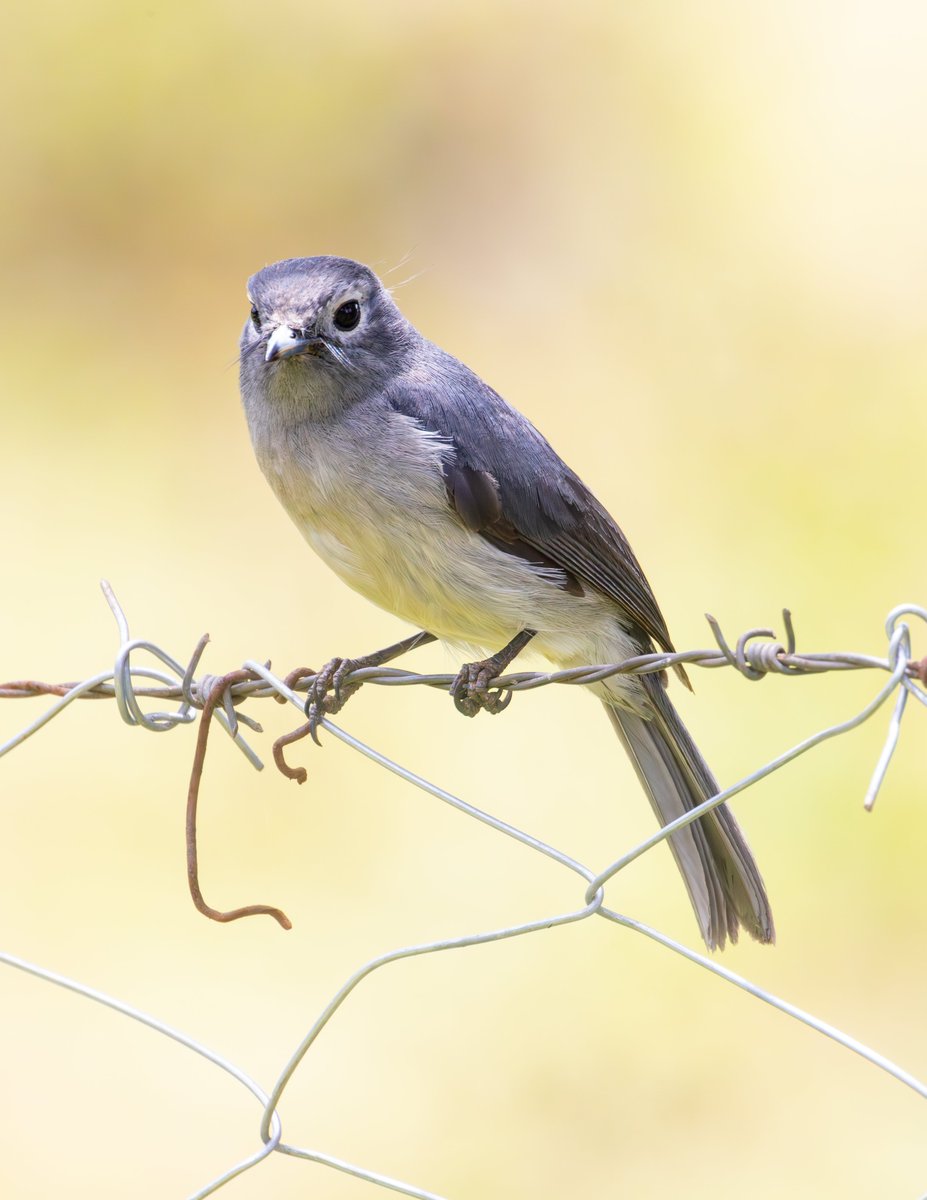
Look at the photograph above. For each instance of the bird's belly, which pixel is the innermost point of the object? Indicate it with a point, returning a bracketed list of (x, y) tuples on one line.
[(454, 584), (392, 536), (432, 573)]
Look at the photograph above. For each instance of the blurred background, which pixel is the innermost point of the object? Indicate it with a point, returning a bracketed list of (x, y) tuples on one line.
[(689, 242)]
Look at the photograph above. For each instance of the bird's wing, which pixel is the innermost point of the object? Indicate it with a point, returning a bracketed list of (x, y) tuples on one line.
[(508, 484)]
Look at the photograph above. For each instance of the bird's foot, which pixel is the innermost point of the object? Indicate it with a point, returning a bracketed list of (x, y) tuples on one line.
[(470, 689), (328, 692)]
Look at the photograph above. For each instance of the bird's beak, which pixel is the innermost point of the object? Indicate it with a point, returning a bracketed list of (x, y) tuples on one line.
[(284, 342)]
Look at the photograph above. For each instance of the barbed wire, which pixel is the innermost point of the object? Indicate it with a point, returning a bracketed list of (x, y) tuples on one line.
[(755, 654)]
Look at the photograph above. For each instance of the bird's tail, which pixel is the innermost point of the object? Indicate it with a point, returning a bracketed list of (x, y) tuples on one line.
[(721, 876)]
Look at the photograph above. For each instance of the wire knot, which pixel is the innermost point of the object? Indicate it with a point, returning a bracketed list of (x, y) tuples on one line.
[(755, 659)]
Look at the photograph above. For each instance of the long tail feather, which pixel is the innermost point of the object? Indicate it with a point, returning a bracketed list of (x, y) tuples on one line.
[(720, 873)]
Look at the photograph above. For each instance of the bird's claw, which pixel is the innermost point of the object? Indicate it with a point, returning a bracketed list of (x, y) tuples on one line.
[(470, 690), (328, 692)]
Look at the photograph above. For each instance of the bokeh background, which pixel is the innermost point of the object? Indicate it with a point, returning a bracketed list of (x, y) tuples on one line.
[(688, 240)]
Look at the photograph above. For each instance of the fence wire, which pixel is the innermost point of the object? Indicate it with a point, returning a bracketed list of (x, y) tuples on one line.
[(755, 654)]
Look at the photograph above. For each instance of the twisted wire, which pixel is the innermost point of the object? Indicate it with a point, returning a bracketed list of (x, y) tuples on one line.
[(755, 654)]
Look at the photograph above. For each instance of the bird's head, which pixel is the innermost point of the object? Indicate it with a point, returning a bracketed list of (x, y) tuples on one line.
[(320, 326)]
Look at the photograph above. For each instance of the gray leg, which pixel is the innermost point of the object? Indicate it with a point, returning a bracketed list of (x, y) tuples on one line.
[(328, 693)]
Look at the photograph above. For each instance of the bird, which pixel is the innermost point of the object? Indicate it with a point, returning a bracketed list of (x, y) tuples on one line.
[(434, 498)]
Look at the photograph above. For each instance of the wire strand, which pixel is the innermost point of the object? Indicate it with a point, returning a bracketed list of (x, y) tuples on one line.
[(754, 654)]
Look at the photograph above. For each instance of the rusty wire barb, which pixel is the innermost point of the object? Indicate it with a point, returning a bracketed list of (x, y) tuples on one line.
[(755, 654)]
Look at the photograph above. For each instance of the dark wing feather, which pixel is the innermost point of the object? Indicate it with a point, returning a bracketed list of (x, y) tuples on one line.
[(507, 483), (474, 494), (477, 499)]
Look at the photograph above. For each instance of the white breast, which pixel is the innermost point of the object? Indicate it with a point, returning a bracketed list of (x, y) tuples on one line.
[(368, 495)]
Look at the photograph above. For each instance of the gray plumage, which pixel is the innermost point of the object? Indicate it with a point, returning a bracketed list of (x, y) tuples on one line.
[(429, 494)]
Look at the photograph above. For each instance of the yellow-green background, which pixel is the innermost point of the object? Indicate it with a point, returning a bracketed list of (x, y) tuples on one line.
[(689, 240)]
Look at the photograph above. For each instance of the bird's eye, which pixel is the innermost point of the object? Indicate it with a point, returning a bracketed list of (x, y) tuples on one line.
[(255, 317), (347, 315)]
